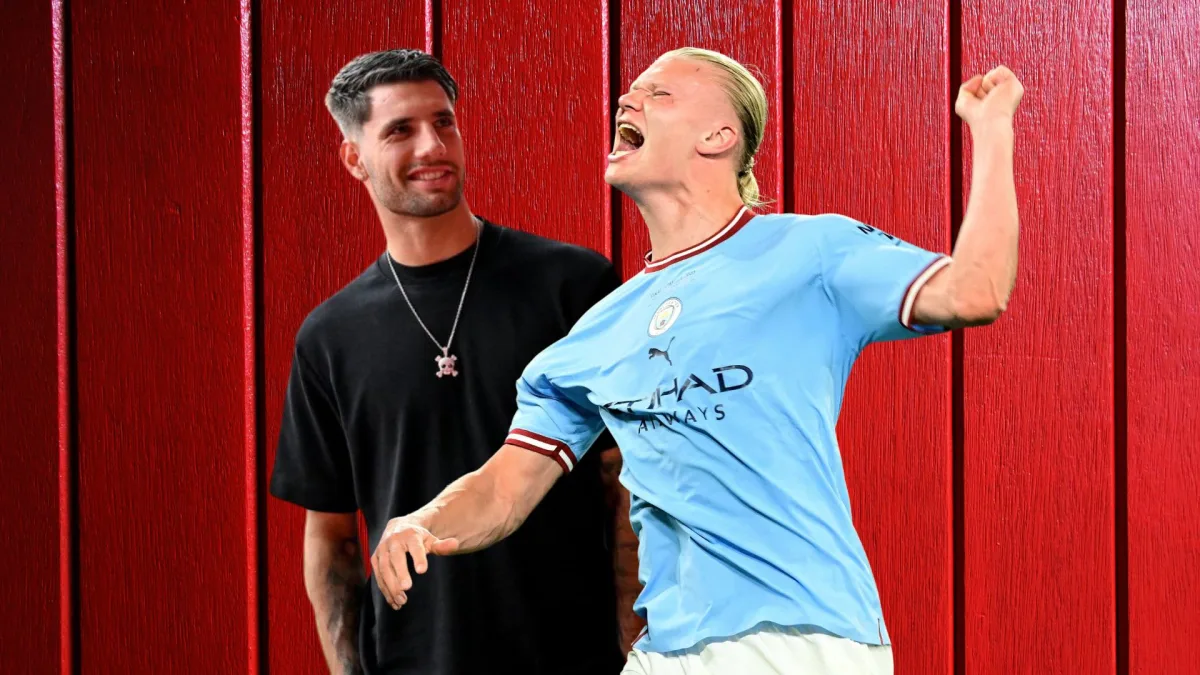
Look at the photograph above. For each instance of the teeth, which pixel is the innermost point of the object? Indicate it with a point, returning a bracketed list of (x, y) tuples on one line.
[(630, 134)]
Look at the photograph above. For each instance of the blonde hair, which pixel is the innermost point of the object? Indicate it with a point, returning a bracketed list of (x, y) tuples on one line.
[(749, 102)]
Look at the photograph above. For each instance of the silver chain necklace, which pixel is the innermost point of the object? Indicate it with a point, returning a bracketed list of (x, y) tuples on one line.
[(446, 362)]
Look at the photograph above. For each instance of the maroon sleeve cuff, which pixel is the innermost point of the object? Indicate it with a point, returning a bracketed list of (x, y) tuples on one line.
[(543, 445)]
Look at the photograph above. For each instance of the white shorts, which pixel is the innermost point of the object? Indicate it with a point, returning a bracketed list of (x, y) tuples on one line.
[(770, 650)]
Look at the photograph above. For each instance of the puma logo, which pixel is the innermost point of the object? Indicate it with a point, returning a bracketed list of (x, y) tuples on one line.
[(665, 353)]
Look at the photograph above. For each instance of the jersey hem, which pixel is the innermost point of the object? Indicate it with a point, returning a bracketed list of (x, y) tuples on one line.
[(644, 643)]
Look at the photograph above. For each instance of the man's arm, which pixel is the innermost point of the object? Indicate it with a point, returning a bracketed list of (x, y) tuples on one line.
[(975, 288), (625, 548), (334, 579), (472, 513)]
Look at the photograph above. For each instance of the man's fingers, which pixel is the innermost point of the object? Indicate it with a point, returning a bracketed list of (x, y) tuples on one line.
[(399, 564), (418, 557), (384, 576), (998, 75), (443, 547), (972, 86)]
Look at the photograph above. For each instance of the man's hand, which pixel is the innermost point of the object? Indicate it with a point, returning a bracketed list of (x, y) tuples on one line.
[(987, 99), (403, 538)]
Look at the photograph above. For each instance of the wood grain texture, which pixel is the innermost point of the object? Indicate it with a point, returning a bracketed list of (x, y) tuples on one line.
[(251, 283), (885, 161), (536, 70), (319, 233), (158, 271), (1162, 284), (745, 31), (29, 588), (1038, 494), (532, 113)]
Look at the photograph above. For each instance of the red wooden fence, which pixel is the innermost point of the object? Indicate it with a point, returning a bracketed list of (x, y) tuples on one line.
[(1026, 491)]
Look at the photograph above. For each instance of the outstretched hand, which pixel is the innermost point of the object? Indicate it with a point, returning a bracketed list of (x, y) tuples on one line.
[(401, 540)]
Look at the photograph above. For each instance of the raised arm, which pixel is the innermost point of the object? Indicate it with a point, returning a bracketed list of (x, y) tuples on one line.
[(975, 288), (472, 513)]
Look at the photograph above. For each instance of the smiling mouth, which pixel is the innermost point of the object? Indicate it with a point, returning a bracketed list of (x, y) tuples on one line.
[(629, 140), (430, 173)]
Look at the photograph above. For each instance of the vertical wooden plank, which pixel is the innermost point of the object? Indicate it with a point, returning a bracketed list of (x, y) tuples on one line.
[(1162, 287), (29, 588), (745, 31), (68, 446), (252, 484), (1038, 493), (158, 273), (884, 160), (541, 171), (319, 232), (532, 113)]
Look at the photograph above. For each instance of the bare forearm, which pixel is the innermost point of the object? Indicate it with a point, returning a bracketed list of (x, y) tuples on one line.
[(334, 578), (472, 511), (985, 256)]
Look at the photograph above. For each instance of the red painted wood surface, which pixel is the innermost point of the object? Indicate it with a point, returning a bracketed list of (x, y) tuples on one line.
[(250, 313), (319, 232), (536, 135), (29, 584), (746, 31), (884, 160), (533, 129), (159, 214), (1163, 288), (1038, 406), (161, 457)]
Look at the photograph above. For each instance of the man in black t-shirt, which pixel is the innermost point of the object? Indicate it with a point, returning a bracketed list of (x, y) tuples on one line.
[(404, 380)]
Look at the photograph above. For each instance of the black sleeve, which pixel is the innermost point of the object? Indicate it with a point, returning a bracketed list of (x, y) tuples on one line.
[(312, 463)]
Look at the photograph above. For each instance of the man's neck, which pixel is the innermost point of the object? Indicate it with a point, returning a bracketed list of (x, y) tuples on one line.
[(414, 242), (681, 219)]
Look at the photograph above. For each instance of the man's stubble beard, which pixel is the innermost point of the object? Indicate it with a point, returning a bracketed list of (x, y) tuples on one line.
[(412, 203)]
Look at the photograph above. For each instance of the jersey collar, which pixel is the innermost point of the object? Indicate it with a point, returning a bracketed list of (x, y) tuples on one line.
[(743, 216)]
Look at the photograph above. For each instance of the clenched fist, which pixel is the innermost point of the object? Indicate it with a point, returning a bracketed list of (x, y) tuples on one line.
[(401, 540), (985, 99)]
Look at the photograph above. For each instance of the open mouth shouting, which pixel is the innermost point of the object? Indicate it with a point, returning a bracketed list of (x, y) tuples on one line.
[(629, 140)]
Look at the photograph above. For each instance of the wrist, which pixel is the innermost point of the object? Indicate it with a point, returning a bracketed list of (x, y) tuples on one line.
[(999, 128)]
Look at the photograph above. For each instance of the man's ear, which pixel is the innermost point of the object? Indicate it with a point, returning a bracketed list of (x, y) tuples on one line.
[(718, 141), (352, 160)]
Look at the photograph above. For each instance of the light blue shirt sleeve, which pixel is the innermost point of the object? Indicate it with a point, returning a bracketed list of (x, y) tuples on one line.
[(558, 422), (873, 279)]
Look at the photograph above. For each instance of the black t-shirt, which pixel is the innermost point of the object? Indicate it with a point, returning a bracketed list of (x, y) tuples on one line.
[(369, 425)]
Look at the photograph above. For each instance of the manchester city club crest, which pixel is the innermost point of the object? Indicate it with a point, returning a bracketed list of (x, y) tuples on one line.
[(665, 316)]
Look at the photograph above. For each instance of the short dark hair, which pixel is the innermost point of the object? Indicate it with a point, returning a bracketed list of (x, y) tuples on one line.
[(347, 99)]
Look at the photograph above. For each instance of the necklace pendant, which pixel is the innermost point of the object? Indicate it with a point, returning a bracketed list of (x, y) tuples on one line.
[(446, 363)]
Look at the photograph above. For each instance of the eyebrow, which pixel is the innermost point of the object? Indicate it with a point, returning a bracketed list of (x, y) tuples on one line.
[(442, 114), (651, 86)]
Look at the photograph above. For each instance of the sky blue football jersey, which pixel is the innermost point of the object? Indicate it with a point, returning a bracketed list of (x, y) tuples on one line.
[(720, 372)]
